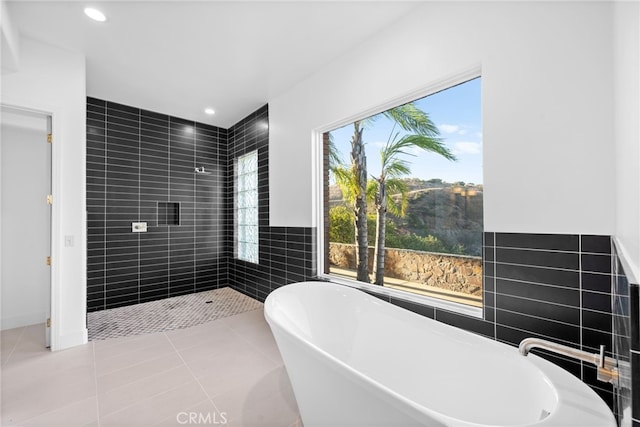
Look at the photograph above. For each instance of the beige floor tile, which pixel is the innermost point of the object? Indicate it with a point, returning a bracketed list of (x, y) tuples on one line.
[(248, 320), (206, 373), (77, 414), (204, 413), (132, 393), (157, 408), (212, 338), (249, 394), (240, 361), (8, 340), (106, 349), (30, 344), (138, 371), (33, 397), (126, 358), (184, 338), (266, 413), (48, 366), (114, 342), (266, 344)]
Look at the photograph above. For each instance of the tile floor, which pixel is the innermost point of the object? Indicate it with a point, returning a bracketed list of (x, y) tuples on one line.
[(169, 313), (225, 372)]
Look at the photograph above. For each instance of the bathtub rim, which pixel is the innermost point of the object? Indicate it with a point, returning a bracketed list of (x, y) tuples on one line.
[(563, 411), (456, 307)]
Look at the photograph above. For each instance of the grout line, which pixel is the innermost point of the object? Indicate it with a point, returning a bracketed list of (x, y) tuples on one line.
[(15, 345), (168, 266), (258, 348), (191, 372), (570, 288), (546, 267), (104, 201), (548, 320), (550, 338), (139, 199), (495, 290), (149, 396), (195, 207), (95, 378), (581, 302)]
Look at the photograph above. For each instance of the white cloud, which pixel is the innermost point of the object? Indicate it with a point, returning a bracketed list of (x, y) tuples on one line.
[(467, 147), (449, 128)]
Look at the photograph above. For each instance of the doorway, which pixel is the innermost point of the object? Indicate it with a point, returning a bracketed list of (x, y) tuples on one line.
[(25, 229)]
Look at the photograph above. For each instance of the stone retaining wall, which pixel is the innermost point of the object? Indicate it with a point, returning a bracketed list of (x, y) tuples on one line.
[(453, 272)]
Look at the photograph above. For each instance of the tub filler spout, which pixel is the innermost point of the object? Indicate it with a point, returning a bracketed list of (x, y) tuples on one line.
[(607, 366)]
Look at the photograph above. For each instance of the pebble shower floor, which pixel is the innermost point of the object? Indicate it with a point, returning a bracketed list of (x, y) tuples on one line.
[(168, 314)]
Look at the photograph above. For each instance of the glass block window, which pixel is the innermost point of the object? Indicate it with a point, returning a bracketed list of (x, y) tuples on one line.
[(246, 205)]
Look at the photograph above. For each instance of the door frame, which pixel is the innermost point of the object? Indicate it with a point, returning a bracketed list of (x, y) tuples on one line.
[(54, 271)]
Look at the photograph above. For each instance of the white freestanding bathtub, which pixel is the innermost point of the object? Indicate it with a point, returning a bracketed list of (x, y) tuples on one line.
[(355, 360)]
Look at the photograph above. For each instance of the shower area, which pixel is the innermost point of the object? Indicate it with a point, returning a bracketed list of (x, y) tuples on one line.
[(160, 219)]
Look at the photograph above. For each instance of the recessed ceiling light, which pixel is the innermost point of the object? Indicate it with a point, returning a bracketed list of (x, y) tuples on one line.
[(209, 111), (95, 14)]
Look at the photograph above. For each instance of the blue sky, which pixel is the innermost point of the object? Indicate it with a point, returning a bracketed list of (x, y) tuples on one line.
[(456, 112)]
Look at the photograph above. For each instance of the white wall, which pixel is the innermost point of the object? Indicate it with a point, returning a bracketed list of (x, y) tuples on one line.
[(52, 80), (25, 182), (547, 108), (627, 131), (9, 41)]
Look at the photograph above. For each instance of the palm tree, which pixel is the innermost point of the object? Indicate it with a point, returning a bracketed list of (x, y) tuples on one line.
[(353, 184), (356, 188), (425, 137)]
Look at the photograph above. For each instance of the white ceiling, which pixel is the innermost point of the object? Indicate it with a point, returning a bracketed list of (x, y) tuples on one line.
[(178, 57)]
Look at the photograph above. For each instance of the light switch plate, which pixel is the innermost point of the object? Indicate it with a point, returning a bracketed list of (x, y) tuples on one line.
[(139, 227)]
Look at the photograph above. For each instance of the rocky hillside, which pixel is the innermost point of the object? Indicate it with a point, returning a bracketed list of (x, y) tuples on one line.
[(452, 212)]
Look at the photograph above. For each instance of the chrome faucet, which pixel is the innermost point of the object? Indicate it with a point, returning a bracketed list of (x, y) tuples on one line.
[(607, 366)]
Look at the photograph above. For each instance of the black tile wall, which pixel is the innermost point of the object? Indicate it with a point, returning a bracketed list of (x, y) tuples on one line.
[(137, 159), (551, 286), (286, 254), (556, 287), (626, 335)]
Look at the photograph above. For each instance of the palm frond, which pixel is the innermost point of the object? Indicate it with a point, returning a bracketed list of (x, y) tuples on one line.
[(345, 179), (433, 145), (397, 205), (334, 153), (412, 119), (396, 168)]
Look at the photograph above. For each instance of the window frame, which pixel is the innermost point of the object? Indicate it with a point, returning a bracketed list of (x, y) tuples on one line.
[(236, 216), (321, 220)]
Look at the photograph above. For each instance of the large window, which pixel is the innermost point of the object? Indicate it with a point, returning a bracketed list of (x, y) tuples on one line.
[(403, 198), (246, 173)]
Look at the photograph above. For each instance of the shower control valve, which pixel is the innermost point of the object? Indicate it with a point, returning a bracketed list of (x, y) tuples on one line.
[(139, 227)]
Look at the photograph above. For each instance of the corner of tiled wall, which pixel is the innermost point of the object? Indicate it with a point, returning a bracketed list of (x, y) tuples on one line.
[(626, 327), (286, 254)]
